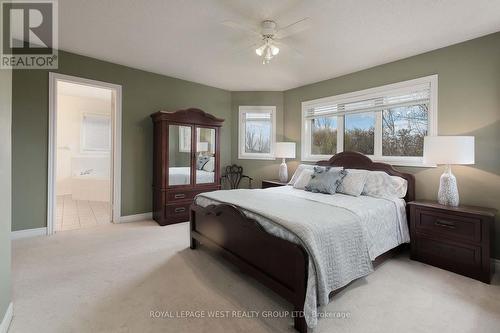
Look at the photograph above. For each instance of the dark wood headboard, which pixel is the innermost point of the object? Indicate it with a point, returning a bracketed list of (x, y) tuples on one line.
[(353, 160)]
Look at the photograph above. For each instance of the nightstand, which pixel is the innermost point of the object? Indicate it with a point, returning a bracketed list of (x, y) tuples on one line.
[(458, 239), (272, 183)]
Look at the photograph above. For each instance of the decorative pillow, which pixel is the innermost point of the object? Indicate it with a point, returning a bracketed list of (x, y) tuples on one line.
[(304, 179), (201, 161), (325, 180), (380, 184), (353, 182), (299, 170), (311, 167), (210, 165)]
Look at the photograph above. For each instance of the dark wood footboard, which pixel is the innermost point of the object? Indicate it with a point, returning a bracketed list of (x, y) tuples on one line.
[(279, 264), (275, 262)]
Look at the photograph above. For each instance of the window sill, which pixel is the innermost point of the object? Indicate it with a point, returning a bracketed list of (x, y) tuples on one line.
[(267, 158), (393, 162), (405, 163)]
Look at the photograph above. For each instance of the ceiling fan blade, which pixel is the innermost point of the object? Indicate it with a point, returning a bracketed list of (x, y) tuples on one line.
[(245, 47), (288, 49), (243, 27), (293, 28)]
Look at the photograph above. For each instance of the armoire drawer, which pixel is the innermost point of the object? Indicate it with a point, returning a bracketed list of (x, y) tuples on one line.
[(177, 210), (180, 195)]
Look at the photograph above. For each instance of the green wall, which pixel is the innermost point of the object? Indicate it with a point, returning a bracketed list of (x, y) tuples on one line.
[(257, 169), (468, 104), (143, 94), (5, 189)]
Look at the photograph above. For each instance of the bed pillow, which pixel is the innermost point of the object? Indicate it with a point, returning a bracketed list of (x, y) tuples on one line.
[(304, 179), (353, 182), (325, 180), (303, 167), (209, 165), (298, 171), (380, 184), (201, 161)]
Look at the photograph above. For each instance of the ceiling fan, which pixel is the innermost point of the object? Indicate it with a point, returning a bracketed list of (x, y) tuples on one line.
[(271, 35)]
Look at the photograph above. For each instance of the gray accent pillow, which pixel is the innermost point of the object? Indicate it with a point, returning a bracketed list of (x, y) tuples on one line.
[(353, 182), (325, 180), (201, 161), (210, 165)]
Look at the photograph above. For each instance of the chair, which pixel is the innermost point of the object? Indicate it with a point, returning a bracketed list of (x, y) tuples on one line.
[(234, 175)]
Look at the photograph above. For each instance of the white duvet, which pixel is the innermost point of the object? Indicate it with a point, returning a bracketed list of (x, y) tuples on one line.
[(382, 223), (181, 176)]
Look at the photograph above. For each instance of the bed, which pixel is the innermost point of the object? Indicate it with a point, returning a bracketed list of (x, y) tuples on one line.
[(182, 176), (269, 235)]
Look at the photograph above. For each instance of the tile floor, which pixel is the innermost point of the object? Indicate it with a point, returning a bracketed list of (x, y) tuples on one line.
[(76, 214)]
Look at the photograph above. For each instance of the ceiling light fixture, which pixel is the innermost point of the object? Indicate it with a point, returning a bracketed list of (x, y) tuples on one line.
[(270, 35), (268, 50)]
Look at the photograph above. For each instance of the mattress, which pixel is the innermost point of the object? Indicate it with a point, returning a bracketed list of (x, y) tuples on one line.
[(181, 176)]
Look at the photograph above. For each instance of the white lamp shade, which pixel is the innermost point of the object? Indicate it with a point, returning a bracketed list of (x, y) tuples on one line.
[(449, 150), (285, 150), (202, 146)]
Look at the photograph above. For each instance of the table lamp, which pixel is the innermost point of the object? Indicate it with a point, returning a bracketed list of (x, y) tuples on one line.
[(284, 150), (448, 150)]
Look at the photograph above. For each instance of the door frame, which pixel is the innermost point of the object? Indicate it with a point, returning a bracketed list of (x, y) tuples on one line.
[(116, 119)]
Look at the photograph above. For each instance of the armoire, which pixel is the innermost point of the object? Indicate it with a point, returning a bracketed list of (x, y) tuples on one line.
[(186, 161)]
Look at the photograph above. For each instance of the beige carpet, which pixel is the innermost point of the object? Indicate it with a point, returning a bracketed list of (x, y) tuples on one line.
[(110, 278)]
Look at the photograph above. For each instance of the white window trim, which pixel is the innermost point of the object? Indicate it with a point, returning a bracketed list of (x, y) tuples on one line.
[(366, 94), (242, 155)]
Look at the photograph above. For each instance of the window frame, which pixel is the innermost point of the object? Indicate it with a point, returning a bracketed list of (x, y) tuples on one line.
[(242, 155), (83, 133), (361, 95)]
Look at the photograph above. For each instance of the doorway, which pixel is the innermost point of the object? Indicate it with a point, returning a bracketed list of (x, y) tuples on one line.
[(84, 153)]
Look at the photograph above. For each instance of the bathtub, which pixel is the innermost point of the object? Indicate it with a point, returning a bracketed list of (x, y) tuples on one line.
[(91, 188), (90, 179)]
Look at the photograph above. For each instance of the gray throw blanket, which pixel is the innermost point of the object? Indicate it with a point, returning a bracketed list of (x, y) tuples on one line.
[(332, 236)]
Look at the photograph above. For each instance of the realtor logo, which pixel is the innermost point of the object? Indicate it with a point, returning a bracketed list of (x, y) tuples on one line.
[(29, 34)]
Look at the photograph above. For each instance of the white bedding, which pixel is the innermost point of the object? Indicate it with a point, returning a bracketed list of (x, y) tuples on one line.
[(384, 220), (383, 223), (181, 176)]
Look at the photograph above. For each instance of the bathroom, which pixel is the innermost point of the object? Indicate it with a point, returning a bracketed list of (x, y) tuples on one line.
[(83, 162)]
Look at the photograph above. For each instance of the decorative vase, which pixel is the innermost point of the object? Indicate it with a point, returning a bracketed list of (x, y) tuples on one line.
[(448, 190), (283, 172)]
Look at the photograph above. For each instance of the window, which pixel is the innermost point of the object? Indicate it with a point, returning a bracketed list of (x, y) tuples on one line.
[(359, 132), (387, 123), (96, 133), (257, 132)]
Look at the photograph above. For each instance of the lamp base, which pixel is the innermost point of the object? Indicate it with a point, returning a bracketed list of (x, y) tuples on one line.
[(283, 172), (448, 190)]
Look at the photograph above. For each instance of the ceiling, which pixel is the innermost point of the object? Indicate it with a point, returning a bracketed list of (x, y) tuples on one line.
[(185, 38), (80, 90)]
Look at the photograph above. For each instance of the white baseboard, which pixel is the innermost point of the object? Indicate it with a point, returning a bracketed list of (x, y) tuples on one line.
[(28, 233), (7, 319), (136, 217)]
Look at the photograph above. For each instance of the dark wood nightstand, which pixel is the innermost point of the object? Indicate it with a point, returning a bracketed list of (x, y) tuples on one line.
[(272, 183), (458, 239)]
